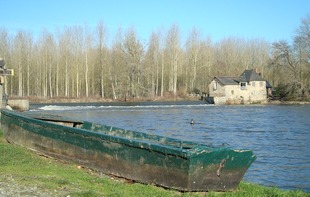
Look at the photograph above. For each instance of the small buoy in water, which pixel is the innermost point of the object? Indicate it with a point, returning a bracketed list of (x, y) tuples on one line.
[(192, 121)]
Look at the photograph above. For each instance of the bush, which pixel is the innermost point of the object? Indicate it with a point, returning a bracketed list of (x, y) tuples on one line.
[(291, 91)]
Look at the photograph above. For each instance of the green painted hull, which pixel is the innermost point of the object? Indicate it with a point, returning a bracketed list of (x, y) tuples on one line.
[(137, 156)]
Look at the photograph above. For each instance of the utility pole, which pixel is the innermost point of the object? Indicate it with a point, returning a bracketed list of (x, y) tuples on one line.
[(3, 72)]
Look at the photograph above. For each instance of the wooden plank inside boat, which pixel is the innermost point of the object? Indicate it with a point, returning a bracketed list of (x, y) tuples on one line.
[(57, 119)]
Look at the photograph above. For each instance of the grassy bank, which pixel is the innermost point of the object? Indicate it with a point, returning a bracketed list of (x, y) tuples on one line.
[(26, 173)]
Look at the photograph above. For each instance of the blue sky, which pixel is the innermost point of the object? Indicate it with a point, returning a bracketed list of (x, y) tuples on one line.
[(272, 20)]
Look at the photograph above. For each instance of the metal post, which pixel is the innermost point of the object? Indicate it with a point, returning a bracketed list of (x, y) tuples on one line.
[(2, 106), (3, 72)]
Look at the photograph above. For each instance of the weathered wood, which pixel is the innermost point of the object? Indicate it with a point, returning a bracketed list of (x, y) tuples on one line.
[(137, 156)]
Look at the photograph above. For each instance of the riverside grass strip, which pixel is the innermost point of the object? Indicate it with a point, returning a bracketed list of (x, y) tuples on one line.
[(24, 172)]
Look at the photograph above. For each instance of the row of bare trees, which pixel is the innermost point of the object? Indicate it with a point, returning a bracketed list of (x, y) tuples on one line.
[(78, 61), (290, 64)]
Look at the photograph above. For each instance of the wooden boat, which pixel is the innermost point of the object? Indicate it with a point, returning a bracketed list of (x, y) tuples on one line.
[(145, 158)]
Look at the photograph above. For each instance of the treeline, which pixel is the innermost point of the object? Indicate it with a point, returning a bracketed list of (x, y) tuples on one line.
[(79, 61)]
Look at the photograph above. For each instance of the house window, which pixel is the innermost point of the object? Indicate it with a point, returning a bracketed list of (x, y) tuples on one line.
[(253, 84), (261, 84), (232, 92), (243, 85), (215, 86)]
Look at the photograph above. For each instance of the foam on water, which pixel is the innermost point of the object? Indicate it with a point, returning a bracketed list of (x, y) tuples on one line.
[(111, 107)]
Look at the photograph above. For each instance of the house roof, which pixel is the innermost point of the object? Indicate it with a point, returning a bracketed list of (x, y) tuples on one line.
[(246, 76), (268, 85), (251, 75), (228, 80)]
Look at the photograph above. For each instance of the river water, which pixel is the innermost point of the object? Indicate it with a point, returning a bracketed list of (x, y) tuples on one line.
[(279, 135)]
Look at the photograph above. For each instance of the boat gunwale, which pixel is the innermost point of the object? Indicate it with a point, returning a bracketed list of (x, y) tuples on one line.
[(150, 145), (143, 144)]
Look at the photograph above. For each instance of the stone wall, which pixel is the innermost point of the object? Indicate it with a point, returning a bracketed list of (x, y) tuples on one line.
[(19, 105), (253, 92)]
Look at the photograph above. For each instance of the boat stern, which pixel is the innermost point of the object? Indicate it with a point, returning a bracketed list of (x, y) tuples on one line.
[(218, 169)]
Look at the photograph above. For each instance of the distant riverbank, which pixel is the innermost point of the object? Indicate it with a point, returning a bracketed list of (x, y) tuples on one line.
[(142, 99), (289, 102), (103, 100)]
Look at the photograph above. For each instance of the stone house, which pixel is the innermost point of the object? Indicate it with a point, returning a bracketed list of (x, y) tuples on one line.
[(248, 88)]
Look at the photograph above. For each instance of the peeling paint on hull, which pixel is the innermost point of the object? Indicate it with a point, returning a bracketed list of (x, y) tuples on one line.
[(137, 156)]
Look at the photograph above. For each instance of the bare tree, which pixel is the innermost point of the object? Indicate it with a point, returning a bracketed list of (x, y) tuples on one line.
[(133, 50), (174, 50), (48, 49), (118, 72), (4, 43), (101, 33), (152, 63), (193, 48), (206, 67), (303, 36), (77, 50), (20, 58), (284, 58), (302, 48), (87, 47), (64, 48)]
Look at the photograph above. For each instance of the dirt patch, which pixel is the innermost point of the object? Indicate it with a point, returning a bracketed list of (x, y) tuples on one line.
[(11, 186)]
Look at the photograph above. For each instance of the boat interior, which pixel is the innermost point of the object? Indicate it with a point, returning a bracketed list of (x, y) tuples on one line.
[(114, 131)]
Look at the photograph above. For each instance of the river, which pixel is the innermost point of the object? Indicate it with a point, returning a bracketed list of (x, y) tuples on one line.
[(279, 135)]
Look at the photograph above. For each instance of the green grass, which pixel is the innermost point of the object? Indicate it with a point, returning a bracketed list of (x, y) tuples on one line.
[(30, 169)]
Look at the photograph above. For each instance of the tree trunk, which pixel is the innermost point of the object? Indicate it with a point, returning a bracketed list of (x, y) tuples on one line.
[(86, 73), (50, 80), (162, 75), (20, 79), (66, 78)]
